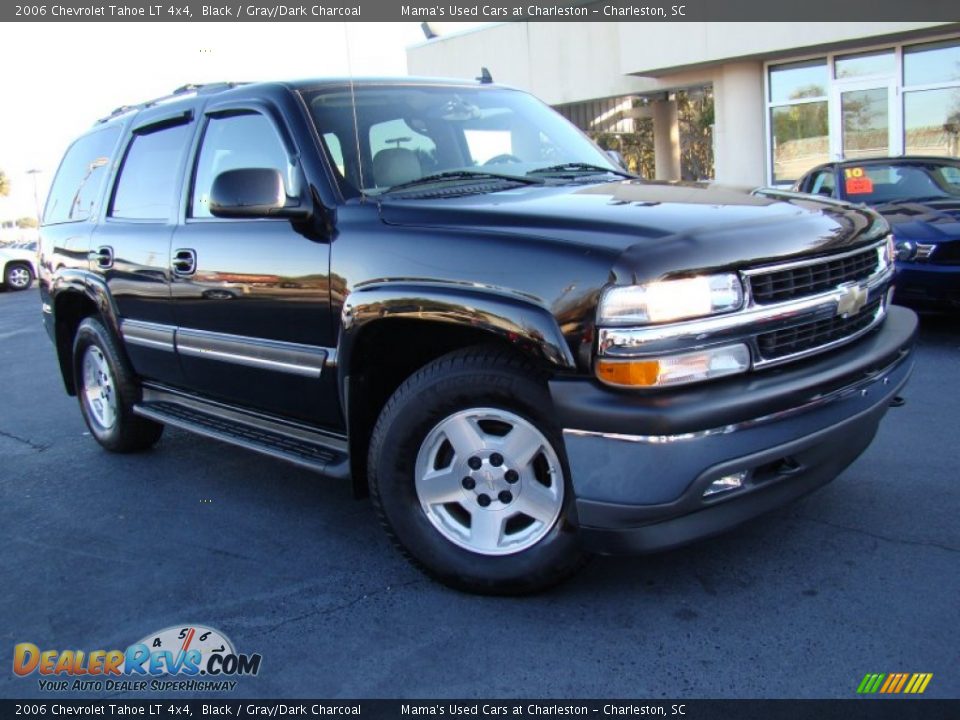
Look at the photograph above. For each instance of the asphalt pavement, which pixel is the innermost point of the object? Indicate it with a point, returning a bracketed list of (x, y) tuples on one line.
[(99, 550)]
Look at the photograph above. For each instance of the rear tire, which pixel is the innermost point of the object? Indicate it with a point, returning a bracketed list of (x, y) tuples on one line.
[(468, 475), (18, 276), (107, 390)]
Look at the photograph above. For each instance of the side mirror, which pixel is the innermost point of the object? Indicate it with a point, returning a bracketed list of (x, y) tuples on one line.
[(617, 159), (251, 193)]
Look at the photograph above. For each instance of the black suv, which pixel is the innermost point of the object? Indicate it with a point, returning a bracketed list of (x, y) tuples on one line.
[(445, 293)]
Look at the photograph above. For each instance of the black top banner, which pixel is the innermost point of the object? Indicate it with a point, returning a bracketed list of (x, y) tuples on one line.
[(476, 10)]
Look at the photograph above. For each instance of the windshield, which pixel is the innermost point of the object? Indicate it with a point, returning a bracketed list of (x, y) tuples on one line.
[(876, 184), (409, 132)]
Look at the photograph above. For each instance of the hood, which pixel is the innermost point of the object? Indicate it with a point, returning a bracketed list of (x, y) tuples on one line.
[(933, 221), (669, 226)]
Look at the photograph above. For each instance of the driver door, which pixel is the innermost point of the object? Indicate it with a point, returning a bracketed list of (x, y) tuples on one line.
[(251, 297)]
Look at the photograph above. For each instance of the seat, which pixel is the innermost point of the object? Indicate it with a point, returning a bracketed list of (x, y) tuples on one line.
[(393, 166)]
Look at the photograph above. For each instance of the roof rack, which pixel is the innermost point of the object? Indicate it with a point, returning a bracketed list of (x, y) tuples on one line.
[(195, 88)]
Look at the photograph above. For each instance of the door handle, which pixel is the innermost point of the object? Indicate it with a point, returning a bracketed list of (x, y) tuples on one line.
[(184, 261), (103, 256)]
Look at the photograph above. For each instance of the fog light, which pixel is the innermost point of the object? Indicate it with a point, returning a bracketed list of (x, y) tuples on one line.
[(675, 369), (726, 484)]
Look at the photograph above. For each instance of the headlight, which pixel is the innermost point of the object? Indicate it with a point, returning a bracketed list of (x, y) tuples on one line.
[(906, 250), (671, 300), (889, 251)]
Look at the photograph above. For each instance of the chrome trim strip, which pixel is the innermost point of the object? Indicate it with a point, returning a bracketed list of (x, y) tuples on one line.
[(635, 342), (292, 358), (809, 262), (925, 250), (858, 388), (147, 334)]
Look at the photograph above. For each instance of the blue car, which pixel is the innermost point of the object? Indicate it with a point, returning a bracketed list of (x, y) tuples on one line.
[(920, 198)]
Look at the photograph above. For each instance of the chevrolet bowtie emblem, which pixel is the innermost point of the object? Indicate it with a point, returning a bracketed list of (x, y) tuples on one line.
[(851, 300)]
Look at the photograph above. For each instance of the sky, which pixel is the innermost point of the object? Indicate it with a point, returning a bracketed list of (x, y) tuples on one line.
[(57, 79)]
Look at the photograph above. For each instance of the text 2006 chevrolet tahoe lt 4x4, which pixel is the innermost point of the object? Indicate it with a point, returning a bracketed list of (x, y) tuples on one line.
[(447, 293)]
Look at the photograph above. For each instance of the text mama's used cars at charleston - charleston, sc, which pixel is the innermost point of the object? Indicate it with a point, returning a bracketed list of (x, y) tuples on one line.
[(446, 294)]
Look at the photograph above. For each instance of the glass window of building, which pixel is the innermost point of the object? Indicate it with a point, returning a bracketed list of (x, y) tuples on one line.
[(931, 63), (799, 122), (797, 81), (931, 99), (866, 126), (881, 62)]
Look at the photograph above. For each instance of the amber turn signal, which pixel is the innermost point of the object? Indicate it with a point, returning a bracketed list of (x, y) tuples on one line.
[(675, 369)]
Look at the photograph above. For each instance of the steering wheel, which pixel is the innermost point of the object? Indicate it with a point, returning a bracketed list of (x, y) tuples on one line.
[(503, 158)]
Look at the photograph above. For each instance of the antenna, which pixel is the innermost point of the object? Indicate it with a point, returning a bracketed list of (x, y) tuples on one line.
[(353, 105), (485, 77)]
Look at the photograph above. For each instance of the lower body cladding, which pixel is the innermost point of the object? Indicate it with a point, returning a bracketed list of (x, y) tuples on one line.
[(656, 471)]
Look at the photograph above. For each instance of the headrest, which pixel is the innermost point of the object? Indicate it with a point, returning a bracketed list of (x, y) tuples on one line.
[(393, 166)]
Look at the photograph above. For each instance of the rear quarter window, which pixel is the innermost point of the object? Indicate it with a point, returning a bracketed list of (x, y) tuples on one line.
[(79, 182)]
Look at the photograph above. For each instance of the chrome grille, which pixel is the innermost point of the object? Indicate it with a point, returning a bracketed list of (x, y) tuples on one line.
[(801, 338), (947, 253), (815, 277)]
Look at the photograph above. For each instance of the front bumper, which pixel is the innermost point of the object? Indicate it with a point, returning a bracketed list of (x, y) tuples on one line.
[(640, 463), (926, 285)]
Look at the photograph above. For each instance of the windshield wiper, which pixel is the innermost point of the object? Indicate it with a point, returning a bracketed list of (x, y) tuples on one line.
[(581, 168), (930, 198), (462, 175)]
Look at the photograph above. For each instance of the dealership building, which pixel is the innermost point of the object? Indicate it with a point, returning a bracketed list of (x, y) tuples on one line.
[(783, 96)]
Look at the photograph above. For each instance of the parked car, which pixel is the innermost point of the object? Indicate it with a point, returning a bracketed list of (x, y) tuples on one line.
[(19, 264), (446, 294), (920, 198)]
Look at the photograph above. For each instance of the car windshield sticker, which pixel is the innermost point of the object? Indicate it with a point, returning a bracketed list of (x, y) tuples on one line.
[(856, 181)]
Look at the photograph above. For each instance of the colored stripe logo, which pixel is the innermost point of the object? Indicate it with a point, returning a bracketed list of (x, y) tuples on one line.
[(893, 683)]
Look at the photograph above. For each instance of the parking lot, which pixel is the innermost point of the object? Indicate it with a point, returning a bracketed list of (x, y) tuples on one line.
[(99, 550)]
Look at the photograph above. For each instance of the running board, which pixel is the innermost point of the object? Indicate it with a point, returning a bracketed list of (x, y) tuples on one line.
[(308, 448)]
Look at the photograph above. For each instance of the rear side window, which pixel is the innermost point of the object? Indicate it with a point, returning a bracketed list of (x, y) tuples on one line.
[(146, 189), (235, 142), (79, 181), (823, 183)]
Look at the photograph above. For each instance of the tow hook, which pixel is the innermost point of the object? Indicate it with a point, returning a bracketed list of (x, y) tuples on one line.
[(897, 402)]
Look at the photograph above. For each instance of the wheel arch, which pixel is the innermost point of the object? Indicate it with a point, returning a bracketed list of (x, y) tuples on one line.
[(78, 296), (17, 261), (388, 333)]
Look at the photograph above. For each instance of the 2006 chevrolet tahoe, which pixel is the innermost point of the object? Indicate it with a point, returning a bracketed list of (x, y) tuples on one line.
[(444, 292)]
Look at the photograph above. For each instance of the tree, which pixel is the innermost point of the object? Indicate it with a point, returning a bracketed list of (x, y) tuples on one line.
[(695, 117), (4, 184), (25, 223), (636, 147)]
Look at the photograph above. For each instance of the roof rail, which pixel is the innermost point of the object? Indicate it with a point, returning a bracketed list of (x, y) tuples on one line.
[(197, 88)]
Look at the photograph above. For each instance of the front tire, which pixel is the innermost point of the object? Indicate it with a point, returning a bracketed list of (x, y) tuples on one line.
[(18, 276), (108, 389), (468, 475)]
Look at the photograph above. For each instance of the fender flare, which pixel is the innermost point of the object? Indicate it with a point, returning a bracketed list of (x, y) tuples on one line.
[(518, 320)]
